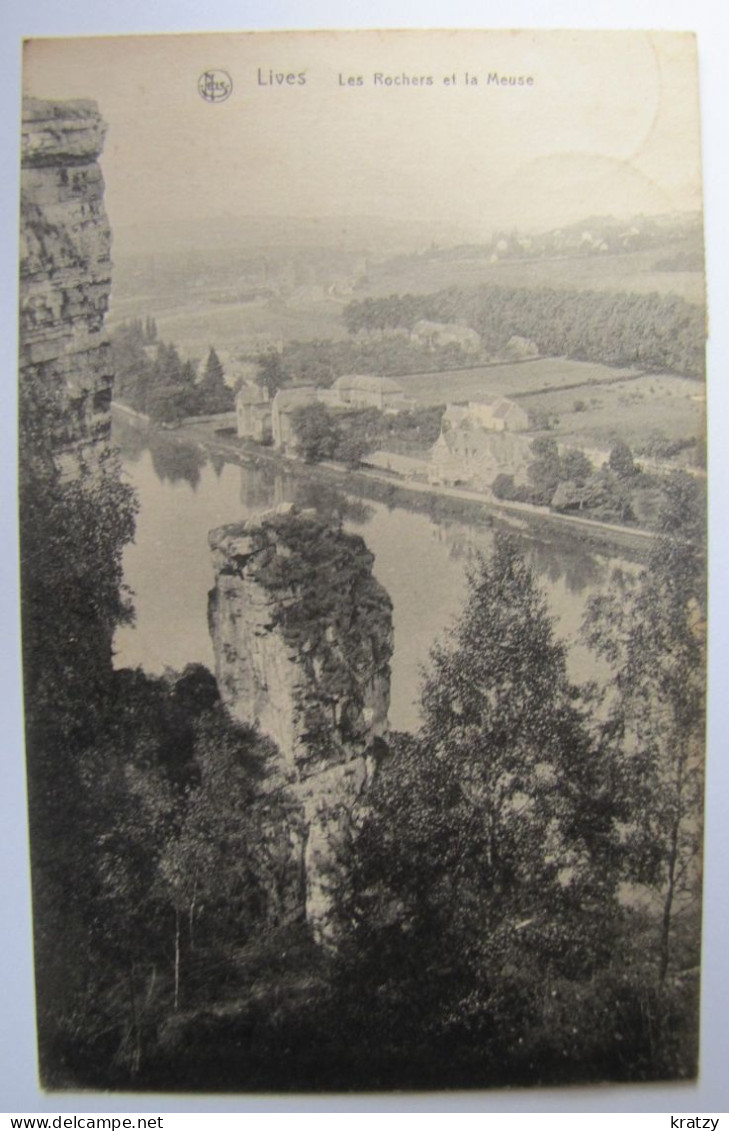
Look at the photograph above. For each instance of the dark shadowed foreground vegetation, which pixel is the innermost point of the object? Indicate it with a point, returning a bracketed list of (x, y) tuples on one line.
[(522, 897)]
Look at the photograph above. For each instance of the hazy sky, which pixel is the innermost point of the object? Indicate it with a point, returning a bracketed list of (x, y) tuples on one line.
[(609, 124)]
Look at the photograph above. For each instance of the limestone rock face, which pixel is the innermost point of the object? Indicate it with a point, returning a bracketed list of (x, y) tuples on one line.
[(65, 272), (303, 638)]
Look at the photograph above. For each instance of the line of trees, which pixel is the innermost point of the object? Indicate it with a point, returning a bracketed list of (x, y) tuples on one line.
[(655, 332), (321, 361)]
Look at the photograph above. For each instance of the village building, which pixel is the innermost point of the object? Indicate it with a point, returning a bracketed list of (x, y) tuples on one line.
[(519, 348), (480, 440), (474, 457), (253, 413), (494, 414), (435, 335), (369, 391), (267, 420), (283, 407)]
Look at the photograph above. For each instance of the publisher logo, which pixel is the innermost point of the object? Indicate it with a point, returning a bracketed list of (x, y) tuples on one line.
[(215, 86)]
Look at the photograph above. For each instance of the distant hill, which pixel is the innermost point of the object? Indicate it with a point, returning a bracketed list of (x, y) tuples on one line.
[(373, 234), (594, 235)]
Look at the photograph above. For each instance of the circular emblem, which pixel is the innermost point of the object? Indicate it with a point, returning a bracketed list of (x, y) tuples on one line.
[(215, 86)]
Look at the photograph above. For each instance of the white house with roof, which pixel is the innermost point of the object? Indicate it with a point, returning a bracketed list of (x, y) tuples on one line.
[(435, 335), (492, 413), (369, 391)]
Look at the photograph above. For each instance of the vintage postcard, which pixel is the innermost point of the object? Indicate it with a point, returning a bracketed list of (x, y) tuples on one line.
[(362, 482)]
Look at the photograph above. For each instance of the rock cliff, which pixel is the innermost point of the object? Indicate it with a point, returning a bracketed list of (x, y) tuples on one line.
[(65, 273), (303, 638)]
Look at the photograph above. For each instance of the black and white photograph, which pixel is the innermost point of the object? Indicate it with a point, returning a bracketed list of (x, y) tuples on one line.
[(363, 554)]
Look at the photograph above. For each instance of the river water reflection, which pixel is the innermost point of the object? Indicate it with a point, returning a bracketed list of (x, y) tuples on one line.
[(421, 562)]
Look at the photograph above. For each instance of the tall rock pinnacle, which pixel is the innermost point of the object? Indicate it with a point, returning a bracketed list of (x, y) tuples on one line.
[(303, 638)]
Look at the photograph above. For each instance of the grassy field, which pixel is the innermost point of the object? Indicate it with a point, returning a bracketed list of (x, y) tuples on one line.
[(588, 404), (633, 410), (195, 325), (630, 272), (508, 380)]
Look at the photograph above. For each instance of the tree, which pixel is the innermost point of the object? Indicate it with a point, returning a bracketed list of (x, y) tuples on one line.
[(501, 712), (214, 394), (167, 368), (652, 633), (484, 868), (316, 434), (569, 496), (132, 366), (352, 448), (212, 865), (213, 377), (188, 375), (168, 394), (73, 533), (545, 470), (271, 371), (575, 466), (621, 460), (76, 515), (126, 815), (607, 497)]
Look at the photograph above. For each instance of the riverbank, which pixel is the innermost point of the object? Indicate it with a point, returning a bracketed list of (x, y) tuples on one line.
[(439, 501)]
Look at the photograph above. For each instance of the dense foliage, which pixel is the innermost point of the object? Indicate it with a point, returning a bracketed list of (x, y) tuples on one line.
[(349, 436), (152, 378), (652, 331), (320, 362), (620, 491), (652, 631), (485, 934)]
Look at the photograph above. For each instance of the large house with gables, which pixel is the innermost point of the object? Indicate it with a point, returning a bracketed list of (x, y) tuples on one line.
[(480, 440)]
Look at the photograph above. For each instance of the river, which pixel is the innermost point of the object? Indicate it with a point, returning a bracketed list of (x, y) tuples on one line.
[(421, 562)]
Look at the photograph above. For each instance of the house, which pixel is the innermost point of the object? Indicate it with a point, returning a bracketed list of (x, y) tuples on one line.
[(329, 397), (369, 391), (519, 348), (455, 416), (435, 335), (480, 440), (474, 457), (253, 413), (283, 407), (492, 413)]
